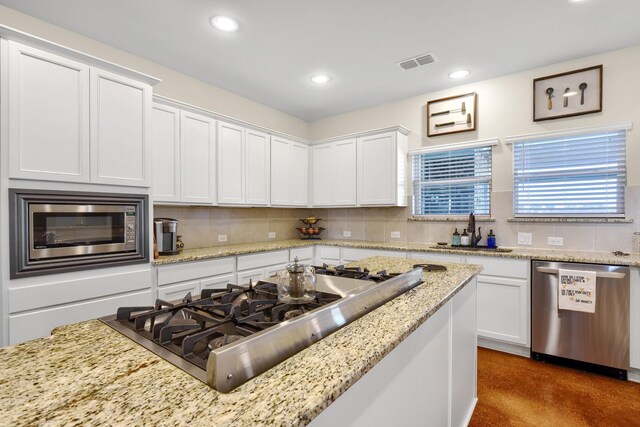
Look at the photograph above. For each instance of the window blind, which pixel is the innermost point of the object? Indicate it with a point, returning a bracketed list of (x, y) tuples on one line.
[(454, 182), (573, 175)]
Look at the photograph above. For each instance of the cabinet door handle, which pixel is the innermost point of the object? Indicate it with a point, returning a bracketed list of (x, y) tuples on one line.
[(599, 274)]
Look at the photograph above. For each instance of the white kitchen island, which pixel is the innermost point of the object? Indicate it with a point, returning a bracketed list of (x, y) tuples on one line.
[(411, 361)]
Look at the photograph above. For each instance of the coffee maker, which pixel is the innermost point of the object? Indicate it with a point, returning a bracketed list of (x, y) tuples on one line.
[(166, 234)]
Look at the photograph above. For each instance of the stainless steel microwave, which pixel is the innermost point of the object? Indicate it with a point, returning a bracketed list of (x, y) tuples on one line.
[(54, 232)]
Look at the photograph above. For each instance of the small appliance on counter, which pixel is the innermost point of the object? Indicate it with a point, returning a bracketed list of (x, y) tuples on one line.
[(166, 235), (310, 231)]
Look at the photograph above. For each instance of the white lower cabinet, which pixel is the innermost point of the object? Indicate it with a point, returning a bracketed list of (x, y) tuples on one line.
[(428, 379), (175, 281), (39, 304), (261, 266), (328, 255), (179, 291), (504, 309), (304, 255)]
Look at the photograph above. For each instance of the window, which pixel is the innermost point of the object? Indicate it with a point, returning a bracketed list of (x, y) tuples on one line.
[(453, 179), (579, 174)]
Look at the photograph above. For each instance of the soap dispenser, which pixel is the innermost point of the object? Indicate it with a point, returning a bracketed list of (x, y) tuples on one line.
[(491, 239), (455, 241), (465, 240)]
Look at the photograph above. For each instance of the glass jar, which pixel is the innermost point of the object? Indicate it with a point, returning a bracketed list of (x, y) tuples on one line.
[(179, 243), (297, 284)]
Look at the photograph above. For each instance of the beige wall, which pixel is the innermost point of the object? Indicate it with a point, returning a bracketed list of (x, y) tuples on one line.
[(174, 84), (505, 109)]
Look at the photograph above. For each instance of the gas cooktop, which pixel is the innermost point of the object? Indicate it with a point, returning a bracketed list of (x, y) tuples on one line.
[(227, 336)]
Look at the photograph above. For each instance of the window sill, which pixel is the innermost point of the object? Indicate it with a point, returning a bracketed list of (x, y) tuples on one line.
[(574, 220), (448, 219)]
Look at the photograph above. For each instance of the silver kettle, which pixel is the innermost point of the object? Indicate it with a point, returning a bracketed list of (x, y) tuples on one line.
[(297, 283)]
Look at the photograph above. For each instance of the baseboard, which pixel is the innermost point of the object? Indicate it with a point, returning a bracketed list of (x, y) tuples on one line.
[(633, 374), (518, 350), (470, 414)]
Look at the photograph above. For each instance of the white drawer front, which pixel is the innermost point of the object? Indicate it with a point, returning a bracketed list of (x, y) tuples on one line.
[(56, 293), (329, 252), (303, 254), (494, 266), (179, 291), (217, 282), (246, 262), (194, 270), (37, 324)]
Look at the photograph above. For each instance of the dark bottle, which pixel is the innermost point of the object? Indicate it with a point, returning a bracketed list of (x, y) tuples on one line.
[(491, 239)]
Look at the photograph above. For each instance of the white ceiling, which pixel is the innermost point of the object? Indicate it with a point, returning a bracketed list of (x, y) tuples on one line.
[(280, 43)]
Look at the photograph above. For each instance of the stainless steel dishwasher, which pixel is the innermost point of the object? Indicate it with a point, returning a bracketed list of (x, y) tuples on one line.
[(598, 342)]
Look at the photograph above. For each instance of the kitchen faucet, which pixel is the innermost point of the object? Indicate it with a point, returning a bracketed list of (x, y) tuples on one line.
[(472, 229)]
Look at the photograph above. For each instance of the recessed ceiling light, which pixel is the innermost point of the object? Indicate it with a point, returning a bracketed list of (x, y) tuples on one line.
[(459, 74), (320, 78), (224, 23)]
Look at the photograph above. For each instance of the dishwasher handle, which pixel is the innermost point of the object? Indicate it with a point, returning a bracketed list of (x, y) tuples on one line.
[(599, 274)]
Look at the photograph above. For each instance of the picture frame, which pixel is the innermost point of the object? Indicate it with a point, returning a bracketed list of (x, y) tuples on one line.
[(451, 115), (569, 94)]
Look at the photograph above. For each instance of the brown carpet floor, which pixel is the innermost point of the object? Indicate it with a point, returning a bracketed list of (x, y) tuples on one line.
[(516, 391)]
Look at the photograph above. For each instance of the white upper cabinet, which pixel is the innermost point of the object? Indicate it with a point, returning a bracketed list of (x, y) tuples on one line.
[(334, 173), (231, 152), (166, 153), (243, 166), (69, 121), (280, 171), (48, 101), (197, 153), (289, 173), (299, 174), (258, 152), (382, 160), (184, 152), (120, 126)]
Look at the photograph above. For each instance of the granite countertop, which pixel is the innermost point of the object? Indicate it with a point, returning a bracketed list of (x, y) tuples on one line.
[(541, 254), (89, 374)]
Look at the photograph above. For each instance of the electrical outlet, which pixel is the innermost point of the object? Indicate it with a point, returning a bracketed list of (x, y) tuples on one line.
[(525, 239), (555, 241), (346, 233), (222, 237), (395, 234), (272, 234)]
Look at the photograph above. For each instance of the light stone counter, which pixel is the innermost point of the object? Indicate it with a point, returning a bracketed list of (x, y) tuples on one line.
[(541, 254), (89, 374)]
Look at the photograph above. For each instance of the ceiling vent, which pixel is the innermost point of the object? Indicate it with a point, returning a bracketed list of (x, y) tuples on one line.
[(417, 61)]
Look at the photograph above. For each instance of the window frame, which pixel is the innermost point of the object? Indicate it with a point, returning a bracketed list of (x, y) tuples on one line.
[(489, 143), (567, 137)]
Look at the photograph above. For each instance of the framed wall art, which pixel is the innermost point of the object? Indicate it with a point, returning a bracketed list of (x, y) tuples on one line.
[(451, 115), (568, 94)]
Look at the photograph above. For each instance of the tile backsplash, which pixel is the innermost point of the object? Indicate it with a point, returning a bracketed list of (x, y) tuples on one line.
[(200, 226)]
